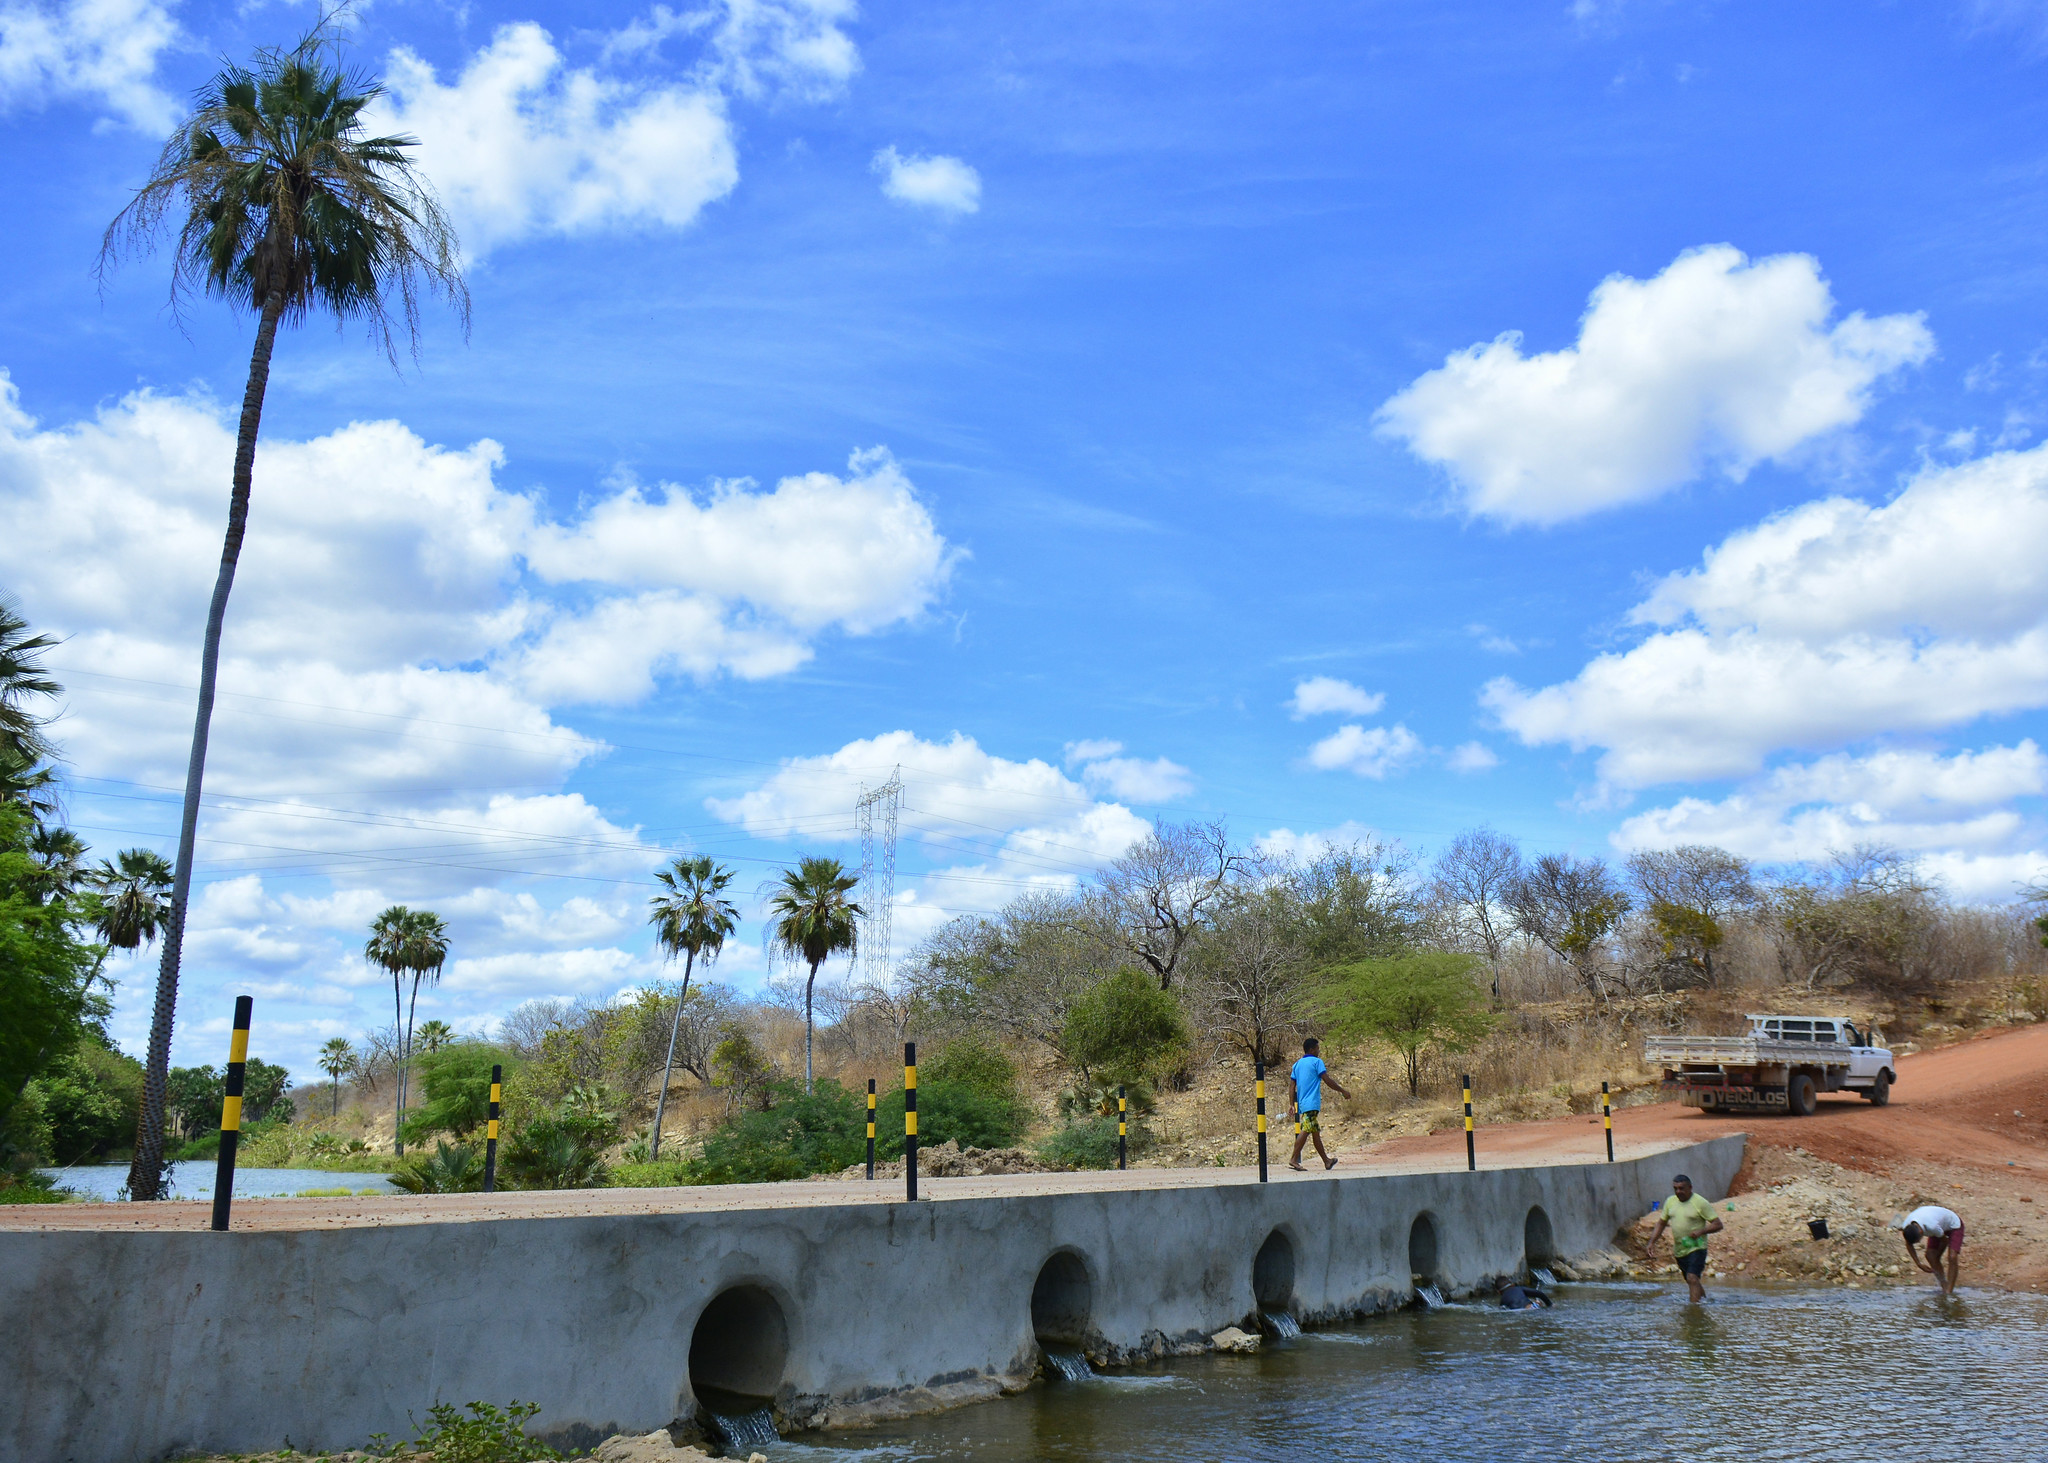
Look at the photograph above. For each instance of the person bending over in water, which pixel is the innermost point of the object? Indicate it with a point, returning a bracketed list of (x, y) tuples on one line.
[(1943, 1231), (1524, 1298), (1307, 1078), (1690, 1219)]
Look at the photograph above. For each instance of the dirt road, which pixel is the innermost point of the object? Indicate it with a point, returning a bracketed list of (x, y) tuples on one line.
[(1967, 1127)]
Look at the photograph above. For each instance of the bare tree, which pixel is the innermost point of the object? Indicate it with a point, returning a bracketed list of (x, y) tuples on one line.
[(1152, 901), (1864, 913), (1571, 906), (1690, 894), (1247, 979), (1473, 880), (1018, 972)]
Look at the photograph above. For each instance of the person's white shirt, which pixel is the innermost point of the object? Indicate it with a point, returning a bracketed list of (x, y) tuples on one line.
[(1933, 1219)]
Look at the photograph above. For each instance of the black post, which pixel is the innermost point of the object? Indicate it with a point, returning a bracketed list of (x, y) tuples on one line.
[(1259, 1087), (910, 1119), (1122, 1128), (1471, 1158), (231, 1114), (1607, 1120), (491, 1131), (871, 1130)]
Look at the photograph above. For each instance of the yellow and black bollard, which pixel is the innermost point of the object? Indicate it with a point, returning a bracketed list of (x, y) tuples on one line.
[(1471, 1158), (491, 1131), (231, 1114), (1122, 1127), (1259, 1089), (1607, 1120), (871, 1130), (910, 1119)]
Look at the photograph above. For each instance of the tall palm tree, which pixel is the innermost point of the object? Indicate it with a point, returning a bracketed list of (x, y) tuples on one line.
[(435, 1034), (407, 942), (278, 202), (337, 1060), (813, 921), (426, 951), (689, 918)]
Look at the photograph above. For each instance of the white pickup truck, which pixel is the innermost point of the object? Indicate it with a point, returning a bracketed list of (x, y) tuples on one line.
[(1782, 1064)]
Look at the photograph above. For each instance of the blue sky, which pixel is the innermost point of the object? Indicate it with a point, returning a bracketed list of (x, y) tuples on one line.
[(1615, 423)]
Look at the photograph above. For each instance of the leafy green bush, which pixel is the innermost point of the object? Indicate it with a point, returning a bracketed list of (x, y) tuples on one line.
[(487, 1435), (669, 1173), (799, 1136), (968, 1061), (950, 1112), (92, 1097), (1090, 1143), (452, 1168), (1125, 1030), (31, 1188), (563, 1149), (457, 1083)]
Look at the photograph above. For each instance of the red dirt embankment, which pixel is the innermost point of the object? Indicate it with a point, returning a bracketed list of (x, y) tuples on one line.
[(1967, 1128)]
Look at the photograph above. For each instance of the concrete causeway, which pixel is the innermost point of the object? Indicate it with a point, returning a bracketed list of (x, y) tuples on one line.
[(133, 1333)]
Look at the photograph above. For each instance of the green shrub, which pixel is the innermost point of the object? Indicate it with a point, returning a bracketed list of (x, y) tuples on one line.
[(92, 1097), (562, 1149), (457, 1083), (452, 1168), (487, 1435), (1125, 1030), (799, 1136), (950, 1112), (1090, 1143), (968, 1061), (670, 1173), (31, 1188)]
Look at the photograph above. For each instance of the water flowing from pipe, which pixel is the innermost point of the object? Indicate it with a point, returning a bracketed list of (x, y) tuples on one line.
[(746, 1428), (1543, 1277), (1069, 1364), (1282, 1325), (1430, 1296)]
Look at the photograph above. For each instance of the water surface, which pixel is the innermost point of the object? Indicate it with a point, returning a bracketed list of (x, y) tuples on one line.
[(1614, 1372), (193, 1179)]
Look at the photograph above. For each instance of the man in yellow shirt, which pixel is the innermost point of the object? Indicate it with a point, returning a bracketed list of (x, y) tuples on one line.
[(1690, 1220)]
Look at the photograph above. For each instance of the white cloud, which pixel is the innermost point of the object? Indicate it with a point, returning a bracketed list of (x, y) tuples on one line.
[(1958, 808), (102, 50), (1368, 751), (936, 182), (1132, 779), (993, 827), (1822, 626), (757, 48), (1322, 695), (1285, 843), (1471, 757), (522, 144), (1716, 364)]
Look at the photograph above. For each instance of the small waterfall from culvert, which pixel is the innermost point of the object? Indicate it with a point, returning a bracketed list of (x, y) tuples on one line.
[(1282, 1325), (1543, 1277), (1430, 1296), (1069, 1364), (744, 1429)]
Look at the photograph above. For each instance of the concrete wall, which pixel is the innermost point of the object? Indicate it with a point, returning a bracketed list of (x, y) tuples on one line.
[(130, 1347)]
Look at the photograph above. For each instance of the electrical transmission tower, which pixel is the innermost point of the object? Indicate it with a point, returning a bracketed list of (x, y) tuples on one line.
[(877, 877)]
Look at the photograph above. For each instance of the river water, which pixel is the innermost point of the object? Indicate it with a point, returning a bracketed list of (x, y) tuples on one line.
[(193, 1179), (1622, 1371)]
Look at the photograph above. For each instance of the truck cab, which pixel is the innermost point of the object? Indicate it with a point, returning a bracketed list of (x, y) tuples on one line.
[(1868, 1058)]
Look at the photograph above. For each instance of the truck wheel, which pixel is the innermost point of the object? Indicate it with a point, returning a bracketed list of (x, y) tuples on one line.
[(1879, 1092), (1801, 1098)]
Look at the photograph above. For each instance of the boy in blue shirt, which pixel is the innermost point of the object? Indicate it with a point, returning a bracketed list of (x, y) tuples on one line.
[(1307, 1078)]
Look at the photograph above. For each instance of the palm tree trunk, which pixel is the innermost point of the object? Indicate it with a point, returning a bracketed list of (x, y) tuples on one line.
[(808, 1089), (669, 1071), (397, 1065), (405, 1061), (146, 1169)]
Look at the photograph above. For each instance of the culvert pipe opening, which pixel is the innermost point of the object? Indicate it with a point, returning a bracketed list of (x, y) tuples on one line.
[(1273, 1285), (1539, 1248), (1062, 1299), (1422, 1260), (738, 1353)]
